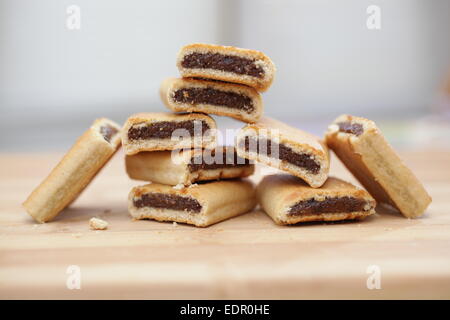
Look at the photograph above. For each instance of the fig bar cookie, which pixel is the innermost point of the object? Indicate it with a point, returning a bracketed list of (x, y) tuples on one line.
[(200, 205), (284, 147), (289, 200), (365, 152), (230, 64), (77, 168), (167, 131), (220, 98), (188, 166)]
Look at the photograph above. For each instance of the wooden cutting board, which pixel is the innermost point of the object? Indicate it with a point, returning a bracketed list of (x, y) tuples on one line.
[(247, 257)]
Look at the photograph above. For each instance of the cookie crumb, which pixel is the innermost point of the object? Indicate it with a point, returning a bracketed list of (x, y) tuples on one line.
[(178, 186), (98, 224), (174, 223)]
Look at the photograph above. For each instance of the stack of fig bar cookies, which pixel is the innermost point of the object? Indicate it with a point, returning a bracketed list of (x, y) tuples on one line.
[(192, 180)]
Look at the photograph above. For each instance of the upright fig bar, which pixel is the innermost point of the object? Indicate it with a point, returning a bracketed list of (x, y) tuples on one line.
[(75, 170), (368, 156)]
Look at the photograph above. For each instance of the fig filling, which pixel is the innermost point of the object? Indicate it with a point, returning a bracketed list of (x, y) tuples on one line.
[(168, 201), (217, 160), (218, 61), (353, 128), (165, 129), (108, 132), (285, 153), (214, 97), (329, 205)]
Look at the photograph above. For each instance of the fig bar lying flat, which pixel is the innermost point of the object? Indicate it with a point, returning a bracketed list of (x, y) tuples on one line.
[(220, 98), (200, 205), (281, 146), (289, 200), (365, 152), (73, 173), (230, 64), (188, 166), (167, 131)]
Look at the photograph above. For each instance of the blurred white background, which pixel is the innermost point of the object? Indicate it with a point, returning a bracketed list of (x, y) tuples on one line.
[(55, 81)]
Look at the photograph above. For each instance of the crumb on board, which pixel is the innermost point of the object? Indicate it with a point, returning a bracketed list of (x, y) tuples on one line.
[(178, 186), (174, 223), (98, 224)]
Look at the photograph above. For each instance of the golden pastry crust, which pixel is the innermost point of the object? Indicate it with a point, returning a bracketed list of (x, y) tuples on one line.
[(261, 60), (171, 85), (172, 168), (74, 172), (280, 192), (207, 140), (219, 200), (376, 165), (299, 141)]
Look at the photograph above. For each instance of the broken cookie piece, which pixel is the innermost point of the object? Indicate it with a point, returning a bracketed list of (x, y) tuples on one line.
[(185, 167), (289, 200), (281, 146), (200, 205), (224, 63), (98, 224), (168, 131), (361, 146), (74, 172)]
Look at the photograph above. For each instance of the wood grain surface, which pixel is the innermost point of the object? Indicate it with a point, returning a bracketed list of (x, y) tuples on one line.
[(244, 257)]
